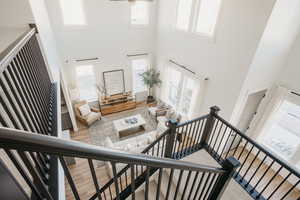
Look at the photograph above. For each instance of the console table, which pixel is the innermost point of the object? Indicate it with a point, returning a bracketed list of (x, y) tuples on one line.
[(117, 103)]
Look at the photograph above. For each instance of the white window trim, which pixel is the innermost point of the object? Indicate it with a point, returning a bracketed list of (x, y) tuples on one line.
[(140, 26), (77, 85), (74, 26), (183, 77), (191, 31), (147, 57)]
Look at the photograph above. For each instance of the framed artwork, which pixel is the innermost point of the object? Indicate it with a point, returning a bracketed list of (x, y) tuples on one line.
[(114, 82)]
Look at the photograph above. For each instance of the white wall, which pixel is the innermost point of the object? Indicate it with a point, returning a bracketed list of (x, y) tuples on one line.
[(107, 35), (290, 75), (224, 59), (15, 16), (273, 50), (15, 13)]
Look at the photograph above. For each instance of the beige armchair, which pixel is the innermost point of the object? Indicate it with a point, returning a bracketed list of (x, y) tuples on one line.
[(88, 119)]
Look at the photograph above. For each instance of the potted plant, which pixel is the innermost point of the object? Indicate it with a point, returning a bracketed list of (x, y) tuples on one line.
[(151, 79)]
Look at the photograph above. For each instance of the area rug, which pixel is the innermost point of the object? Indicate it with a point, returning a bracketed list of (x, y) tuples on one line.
[(104, 128)]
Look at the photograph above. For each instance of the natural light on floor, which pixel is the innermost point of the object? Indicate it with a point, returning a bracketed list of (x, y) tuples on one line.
[(283, 135)]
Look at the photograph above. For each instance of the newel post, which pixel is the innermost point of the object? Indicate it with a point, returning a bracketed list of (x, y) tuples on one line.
[(230, 164), (209, 125), (172, 124)]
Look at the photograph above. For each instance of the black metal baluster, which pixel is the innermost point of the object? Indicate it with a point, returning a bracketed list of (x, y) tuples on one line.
[(200, 135), (267, 185), (35, 175), (249, 167), (199, 185), (23, 173), (262, 177), (291, 189), (223, 135), (229, 149), (132, 182), (113, 164), (69, 178), (283, 181), (256, 170), (205, 185), (147, 183), (193, 185), (186, 184), (170, 183), (210, 185), (217, 136), (213, 134), (246, 158), (178, 183), (197, 133), (159, 184), (95, 180), (229, 135)]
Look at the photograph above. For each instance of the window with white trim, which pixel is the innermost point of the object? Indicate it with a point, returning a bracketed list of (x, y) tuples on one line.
[(198, 16), (139, 65), (140, 13), (72, 12), (86, 82), (181, 91), (207, 16), (184, 10)]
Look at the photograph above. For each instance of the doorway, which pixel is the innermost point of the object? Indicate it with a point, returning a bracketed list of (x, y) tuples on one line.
[(250, 110), (247, 115)]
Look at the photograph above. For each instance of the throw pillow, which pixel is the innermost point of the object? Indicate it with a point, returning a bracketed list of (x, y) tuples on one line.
[(85, 110), (170, 114), (108, 143), (160, 105)]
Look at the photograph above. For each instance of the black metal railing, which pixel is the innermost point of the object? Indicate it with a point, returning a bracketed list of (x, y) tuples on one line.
[(261, 173), (28, 103), (211, 184)]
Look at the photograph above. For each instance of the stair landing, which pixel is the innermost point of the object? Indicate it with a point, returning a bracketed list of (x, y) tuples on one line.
[(234, 191)]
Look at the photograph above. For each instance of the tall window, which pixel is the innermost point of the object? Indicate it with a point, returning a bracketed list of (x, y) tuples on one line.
[(282, 132), (201, 18), (72, 12), (207, 16), (182, 90), (139, 66), (184, 9), (86, 82), (140, 13)]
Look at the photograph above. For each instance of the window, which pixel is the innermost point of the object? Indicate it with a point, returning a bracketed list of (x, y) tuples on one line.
[(181, 91), (140, 13), (201, 18), (187, 95), (86, 82), (207, 16), (72, 12), (282, 134), (184, 9), (139, 66)]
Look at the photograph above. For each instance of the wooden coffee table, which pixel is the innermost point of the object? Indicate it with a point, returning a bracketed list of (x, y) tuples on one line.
[(121, 125)]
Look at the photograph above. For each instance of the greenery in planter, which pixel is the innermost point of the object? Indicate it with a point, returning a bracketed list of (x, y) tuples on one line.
[(151, 79)]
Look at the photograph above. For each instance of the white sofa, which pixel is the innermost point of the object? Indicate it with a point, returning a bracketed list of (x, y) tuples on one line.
[(132, 145)]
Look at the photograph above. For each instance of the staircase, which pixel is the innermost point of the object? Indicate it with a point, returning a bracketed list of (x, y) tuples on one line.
[(196, 159)]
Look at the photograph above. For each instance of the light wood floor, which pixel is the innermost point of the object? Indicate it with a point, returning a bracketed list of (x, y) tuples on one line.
[(81, 172), (271, 175)]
